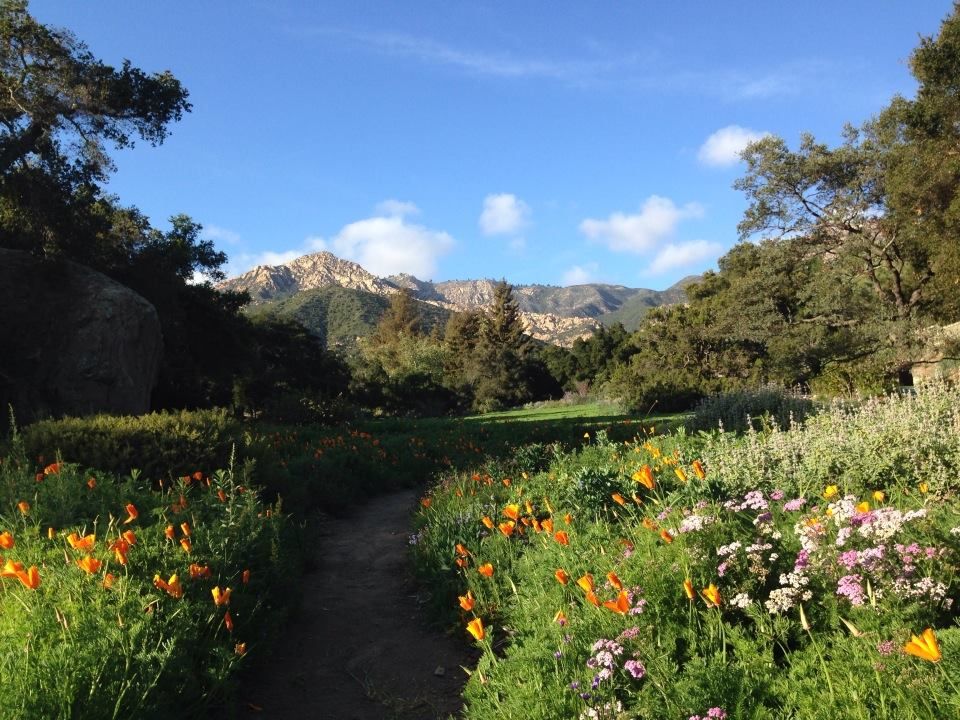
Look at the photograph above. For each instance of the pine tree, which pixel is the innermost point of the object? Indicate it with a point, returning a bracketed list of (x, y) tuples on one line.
[(502, 351)]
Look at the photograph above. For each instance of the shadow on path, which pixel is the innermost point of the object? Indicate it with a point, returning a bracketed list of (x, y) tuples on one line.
[(360, 648)]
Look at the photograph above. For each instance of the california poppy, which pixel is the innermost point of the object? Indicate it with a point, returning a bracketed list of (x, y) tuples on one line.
[(461, 550), (712, 595), (228, 621), (486, 570), (829, 491), (169, 532), (562, 538), (586, 583), (89, 564), (678, 471), (220, 597), (863, 507), (130, 537), (547, 525), (619, 499), (487, 522), (614, 580), (507, 528), (240, 649), (6, 540), (84, 544), (245, 577), (185, 528), (91, 483), (666, 536), (924, 647), (467, 601), (475, 628), (52, 468), (688, 588), (199, 571), (173, 587), (568, 518), (644, 476), (562, 577), (23, 506), (30, 578), (592, 599), (512, 511), (621, 605), (698, 469), (186, 545)]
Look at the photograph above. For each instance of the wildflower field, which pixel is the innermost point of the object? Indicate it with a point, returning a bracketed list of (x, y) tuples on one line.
[(807, 572)]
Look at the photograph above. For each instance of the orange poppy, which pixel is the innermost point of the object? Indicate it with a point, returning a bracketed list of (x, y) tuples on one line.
[(547, 525), (169, 532), (23, 506), (185, 528), (173, 587), (6, 540), (220, 597), (130, 537), (228, 621), (199, 571), (562, 538), (592, 599), (666, 536), (711, 595), (222, 495), (52, 469), (426, 502), (245, 577), (924, 647), (108, 580), (512, 511), (562, 577), (89, 564), (84, 544), (461, 550), (614, 580), (698, 469), (186, 545), (507, 528), (475, 628), (240, 649), (467, 601), (621, 605), (91, 483), (486, 570), (644, 476), (619, 499), (586, 583), (568, 518), (487, 522), (688, 588)]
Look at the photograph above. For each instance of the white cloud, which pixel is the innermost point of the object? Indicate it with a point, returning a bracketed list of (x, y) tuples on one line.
[(579, 275), (657, 220), (679, 255), (396, 208), (503, 214), (724, 146), (388, 245), (217, 233)]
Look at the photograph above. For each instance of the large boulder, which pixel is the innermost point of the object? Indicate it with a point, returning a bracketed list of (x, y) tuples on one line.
[(73, 341)]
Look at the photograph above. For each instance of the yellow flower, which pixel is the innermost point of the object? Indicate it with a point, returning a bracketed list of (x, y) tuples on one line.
[(560, 617), (712, 595), (688, 588), (586, 583), (698, 469), (923, 487), (924, 647), (879, 496), (829, 491), (512, 511), (220, 597), (680, 473), (863, 507), (475, 628)]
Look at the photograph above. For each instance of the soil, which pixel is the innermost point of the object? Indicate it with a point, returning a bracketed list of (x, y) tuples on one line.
[(360, 647)]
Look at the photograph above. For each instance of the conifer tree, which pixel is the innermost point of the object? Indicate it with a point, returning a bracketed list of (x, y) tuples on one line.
[(502, 351)]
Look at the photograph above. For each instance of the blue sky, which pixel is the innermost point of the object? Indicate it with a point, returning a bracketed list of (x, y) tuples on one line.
[(544, 142)]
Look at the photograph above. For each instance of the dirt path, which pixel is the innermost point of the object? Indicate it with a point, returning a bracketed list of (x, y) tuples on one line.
[(360, 649)]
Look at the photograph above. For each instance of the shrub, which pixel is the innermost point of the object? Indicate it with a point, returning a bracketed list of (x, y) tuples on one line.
[(743, 409), (160, 445)]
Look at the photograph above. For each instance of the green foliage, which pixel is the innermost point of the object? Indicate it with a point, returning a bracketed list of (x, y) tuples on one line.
[(158, 444)]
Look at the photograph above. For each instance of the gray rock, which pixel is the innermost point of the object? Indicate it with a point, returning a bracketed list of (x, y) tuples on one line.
[(73, 341)]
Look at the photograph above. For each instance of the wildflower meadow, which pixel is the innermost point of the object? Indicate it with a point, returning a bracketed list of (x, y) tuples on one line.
[(803, 572)]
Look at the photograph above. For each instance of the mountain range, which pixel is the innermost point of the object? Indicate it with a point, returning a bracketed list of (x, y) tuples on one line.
[(312, 287)]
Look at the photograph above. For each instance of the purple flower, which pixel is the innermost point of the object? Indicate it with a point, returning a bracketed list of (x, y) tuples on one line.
[(849, 587), (575, 685), (795, 504), (848, 559), (802, 561), (635, 668), (776, 495), (717, 713), (885, 647)]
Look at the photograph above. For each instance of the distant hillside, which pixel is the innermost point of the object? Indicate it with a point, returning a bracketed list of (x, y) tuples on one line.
[(337, 315), (633, 310), (552, 314)]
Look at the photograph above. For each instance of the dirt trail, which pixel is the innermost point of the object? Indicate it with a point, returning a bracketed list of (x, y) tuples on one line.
[(360, 649)]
